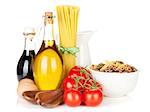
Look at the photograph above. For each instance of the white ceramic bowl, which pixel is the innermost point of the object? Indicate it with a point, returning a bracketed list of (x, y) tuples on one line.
[(116, 84)]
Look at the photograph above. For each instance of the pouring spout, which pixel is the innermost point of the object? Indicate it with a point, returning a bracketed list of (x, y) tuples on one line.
[(85, 34)]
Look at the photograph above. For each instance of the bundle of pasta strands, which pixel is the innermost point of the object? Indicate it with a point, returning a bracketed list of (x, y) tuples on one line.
[(68, 23)]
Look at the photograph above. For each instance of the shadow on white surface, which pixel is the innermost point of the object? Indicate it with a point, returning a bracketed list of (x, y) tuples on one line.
[(116, 101), (107, 102)]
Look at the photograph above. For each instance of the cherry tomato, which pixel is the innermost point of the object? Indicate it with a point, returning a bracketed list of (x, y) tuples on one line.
[(69, 83), (92, 84), (92, 97), (72, 83), (80, 80), (72, 98), (74, 72), (81, 72)]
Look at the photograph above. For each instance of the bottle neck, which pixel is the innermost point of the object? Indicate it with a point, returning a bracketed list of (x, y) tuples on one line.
[(48, 32), (29, 45)]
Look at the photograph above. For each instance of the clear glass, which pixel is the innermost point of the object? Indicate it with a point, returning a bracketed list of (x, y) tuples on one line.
[(48, 63), (24, 66)]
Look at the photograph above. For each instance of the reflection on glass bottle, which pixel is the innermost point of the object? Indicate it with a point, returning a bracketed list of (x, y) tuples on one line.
[(24, 67), (48, 64)]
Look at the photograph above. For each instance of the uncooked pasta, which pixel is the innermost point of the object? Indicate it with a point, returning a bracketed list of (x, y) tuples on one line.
[(68, 24)]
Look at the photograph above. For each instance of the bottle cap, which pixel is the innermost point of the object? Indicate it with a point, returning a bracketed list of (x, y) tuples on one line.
[(29, 32), (49, 17), (49, 14)]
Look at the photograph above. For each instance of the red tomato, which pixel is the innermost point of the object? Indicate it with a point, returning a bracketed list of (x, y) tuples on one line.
[(72, 98), (91, 84), (81, 72), (92, 97), (72, 83), (69, 83), (74, 72)]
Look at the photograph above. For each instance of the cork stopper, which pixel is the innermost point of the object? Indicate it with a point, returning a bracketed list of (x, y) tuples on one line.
[(29, 32), (49, 18)]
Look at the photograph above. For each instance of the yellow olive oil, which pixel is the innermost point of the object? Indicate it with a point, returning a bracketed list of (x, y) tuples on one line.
[(48, 64)]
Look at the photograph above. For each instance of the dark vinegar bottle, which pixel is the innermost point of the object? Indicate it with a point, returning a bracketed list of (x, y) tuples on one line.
[(24, 67)]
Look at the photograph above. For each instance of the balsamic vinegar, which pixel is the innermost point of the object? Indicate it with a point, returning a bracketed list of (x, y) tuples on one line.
[(24, 67)]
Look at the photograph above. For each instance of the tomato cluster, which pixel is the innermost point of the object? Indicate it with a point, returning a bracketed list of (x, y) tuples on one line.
[(79, 86)]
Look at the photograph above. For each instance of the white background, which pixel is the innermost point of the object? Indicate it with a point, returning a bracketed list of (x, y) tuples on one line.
[(122, 31)]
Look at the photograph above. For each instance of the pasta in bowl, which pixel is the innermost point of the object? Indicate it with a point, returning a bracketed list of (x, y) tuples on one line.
[(116, 83)]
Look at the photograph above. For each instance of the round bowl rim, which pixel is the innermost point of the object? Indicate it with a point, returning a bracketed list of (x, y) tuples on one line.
[(114, 73)]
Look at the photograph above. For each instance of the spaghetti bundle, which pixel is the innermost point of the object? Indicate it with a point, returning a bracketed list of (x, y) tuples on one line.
[(68, 23)]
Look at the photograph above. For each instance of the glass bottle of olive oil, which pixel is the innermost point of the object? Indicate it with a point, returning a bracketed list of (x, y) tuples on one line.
[(24, 67), (48, 64)]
